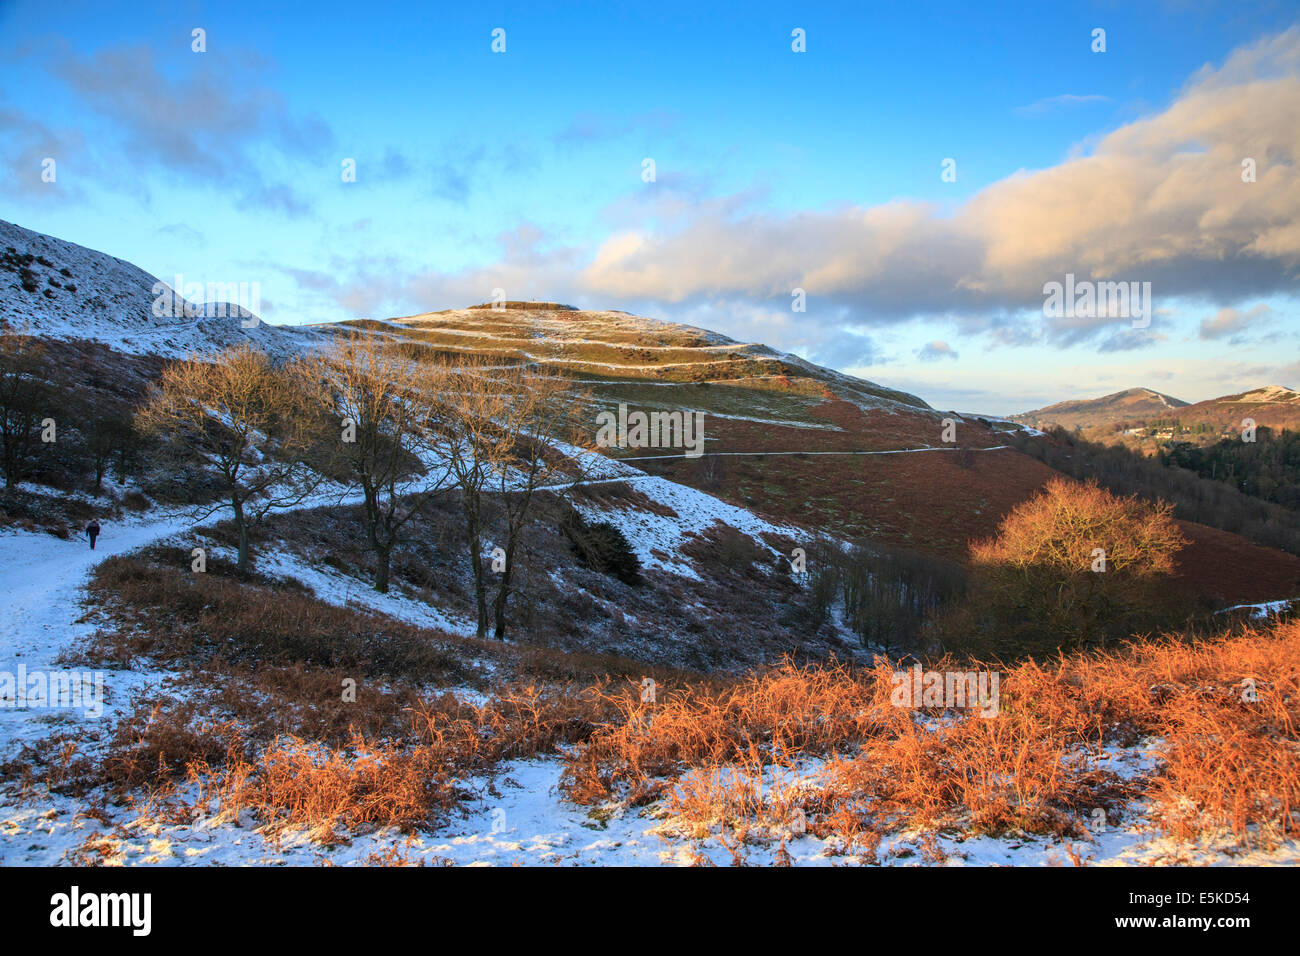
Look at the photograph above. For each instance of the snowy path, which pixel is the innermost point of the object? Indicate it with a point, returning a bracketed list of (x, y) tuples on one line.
[(41, 578), (41, 585)]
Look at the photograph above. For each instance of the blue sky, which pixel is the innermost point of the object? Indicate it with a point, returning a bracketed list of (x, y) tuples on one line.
[(774, 170)]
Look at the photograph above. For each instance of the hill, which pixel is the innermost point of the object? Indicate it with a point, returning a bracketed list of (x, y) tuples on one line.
[(1148, 420), (1275, 406), (1132, 404), (58, 289), (789, 442)]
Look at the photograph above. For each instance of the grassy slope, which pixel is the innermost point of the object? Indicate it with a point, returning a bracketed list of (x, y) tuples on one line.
[(757, 400)]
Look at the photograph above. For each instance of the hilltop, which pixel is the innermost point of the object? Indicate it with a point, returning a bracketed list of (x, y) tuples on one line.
[(59, 289), (1132, 404), (1274, 406)]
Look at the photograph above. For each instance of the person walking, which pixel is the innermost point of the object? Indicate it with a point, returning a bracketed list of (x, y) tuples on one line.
[(92, 532)]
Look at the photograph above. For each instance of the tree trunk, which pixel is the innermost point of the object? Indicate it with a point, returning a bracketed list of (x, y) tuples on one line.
[(503, 595), (480, 593), (241, 525), (480, 586), (381, 550), (474, 544), (514, 531)]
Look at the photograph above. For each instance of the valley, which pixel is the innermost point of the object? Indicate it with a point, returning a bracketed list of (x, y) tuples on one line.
[(764, 582)]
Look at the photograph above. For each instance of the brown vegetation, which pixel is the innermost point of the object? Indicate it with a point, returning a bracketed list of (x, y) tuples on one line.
[(1230, 757), (740, 760)]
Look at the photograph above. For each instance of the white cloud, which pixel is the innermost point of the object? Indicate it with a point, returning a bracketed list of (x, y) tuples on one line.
[(1232, 322), (935, 351), (1160, 200), (1051, 104)]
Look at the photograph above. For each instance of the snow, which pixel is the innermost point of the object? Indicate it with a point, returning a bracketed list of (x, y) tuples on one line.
[(697, 512), (517, 816), (341, 590), (1271, 393), (114, 304), (41, 577), (1264, 610)]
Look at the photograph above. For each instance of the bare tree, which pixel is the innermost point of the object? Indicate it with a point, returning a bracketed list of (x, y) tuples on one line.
[(541, 417), (382, 403), (711, 472), (503, 431), (473, 446), (109, 437), (250, 422), (22, 392)]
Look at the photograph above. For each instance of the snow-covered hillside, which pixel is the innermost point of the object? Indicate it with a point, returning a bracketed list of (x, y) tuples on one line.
[(59, 289)]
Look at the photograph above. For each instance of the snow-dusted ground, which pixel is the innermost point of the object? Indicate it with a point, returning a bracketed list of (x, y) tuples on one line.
[(657, 539), (519, 817), (1270, 393), (339, 589), (41, 578)]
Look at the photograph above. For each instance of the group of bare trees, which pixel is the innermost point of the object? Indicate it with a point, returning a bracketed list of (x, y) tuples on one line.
[(50, 432), (22, 393), (889, 596), (402, 430), (383, 405), (502, 430)]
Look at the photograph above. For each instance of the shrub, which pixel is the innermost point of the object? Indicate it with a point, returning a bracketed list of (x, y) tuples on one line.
[(601, 547), (135, 501), (1074, 567)]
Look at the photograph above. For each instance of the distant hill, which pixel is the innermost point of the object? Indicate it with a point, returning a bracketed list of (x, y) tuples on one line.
[(1132, 404), (1144, 417), (1273, 405)]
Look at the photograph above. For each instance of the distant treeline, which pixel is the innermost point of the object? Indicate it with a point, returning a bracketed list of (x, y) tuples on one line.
[(1201, 493)]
